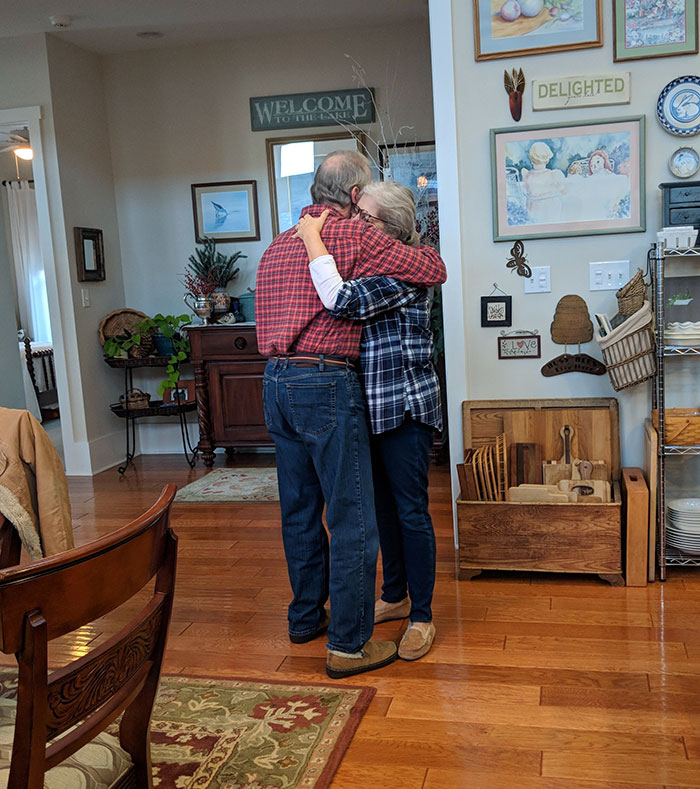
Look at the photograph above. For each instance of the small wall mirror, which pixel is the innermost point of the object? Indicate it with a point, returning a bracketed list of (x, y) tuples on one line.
[(89, 254), (291, 164)]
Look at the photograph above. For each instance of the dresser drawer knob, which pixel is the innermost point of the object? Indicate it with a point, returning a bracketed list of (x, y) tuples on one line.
[(240, 343)]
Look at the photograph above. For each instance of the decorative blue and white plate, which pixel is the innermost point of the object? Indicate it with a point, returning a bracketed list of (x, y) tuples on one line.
[(678, 106), (684, 163)]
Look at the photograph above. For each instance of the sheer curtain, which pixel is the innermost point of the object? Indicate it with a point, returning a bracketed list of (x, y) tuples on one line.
[(29, 266)]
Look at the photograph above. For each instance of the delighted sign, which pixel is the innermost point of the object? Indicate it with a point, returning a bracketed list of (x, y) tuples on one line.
[(590, 91), (301, 110)]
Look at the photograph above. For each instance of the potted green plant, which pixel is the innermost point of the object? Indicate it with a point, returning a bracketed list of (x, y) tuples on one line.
[(207, 264), (171, 342), (163, 332)]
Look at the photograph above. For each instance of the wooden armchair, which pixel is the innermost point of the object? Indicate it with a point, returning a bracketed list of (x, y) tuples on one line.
[(57, 714), (47, 396)]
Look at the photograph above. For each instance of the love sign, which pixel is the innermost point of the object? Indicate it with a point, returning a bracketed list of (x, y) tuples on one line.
[(519, 345)]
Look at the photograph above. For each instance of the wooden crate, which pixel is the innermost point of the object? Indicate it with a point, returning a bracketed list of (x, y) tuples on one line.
[(567, 537)]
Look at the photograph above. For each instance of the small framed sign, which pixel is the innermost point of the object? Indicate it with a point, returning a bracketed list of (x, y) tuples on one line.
[(519, 345), (183, 393), (496, 310), (590, 90)]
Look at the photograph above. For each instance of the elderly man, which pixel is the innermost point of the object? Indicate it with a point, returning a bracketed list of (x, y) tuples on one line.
[(315, 412)]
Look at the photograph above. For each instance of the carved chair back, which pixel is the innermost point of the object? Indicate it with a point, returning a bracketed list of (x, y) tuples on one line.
[(10, 544), (55, 596)]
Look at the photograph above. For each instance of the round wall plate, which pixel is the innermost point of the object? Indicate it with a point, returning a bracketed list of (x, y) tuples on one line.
[(678, 106), (684, 162)]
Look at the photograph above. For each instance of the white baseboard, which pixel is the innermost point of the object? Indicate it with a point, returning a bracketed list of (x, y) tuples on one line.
[(109, 450)]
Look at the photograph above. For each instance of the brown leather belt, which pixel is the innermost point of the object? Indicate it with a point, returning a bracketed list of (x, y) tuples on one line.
[(315, 359)]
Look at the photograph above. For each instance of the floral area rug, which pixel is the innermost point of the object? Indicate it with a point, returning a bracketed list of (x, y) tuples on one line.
[(233, 484), (230, 734)]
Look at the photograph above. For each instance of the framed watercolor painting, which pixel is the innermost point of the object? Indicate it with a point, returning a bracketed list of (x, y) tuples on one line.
[(570, 179), (414, 165), (654, 28), (506, 28), (226, 211)]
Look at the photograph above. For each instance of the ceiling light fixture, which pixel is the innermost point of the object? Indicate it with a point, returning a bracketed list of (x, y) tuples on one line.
[(25, 152), (149, 34)]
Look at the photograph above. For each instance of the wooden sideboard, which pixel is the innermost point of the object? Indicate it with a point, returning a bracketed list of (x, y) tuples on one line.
[(228, 374)]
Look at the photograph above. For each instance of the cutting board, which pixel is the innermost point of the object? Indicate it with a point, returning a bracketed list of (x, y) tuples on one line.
[(537, 493), (525, 464)]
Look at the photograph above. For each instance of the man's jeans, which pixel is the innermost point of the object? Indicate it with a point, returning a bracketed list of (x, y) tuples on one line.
[(401, 459), (316, 416)]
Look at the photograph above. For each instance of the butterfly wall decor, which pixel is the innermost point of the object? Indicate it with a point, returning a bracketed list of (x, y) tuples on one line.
[(518, 260)]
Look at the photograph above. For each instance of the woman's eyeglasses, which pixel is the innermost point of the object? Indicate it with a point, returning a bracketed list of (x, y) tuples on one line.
[(371, 219)]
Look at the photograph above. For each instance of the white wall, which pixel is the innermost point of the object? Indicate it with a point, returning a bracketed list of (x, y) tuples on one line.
[(482, 104), (87, 193), (181, 116)]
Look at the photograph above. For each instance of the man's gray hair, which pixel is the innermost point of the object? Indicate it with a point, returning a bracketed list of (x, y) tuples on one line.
[(396, 207), (336, 176)]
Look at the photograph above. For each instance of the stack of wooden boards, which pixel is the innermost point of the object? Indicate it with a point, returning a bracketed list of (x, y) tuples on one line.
[(516, 472), (555, 532)]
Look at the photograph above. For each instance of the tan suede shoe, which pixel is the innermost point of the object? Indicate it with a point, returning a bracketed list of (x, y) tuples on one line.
[(417, 640), (385, 612), (375, 654)]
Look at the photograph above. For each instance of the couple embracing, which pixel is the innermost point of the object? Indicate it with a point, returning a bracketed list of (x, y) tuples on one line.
[(342, 310)]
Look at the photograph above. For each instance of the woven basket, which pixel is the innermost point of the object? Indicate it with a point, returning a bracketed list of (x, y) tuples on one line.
[(681, 426), (632, 359), (144, 348), (630, 297), (116, 322), (135, 400)]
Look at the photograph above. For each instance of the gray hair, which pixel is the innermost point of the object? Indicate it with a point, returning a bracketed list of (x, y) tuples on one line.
[(336, 176), (396, 207)]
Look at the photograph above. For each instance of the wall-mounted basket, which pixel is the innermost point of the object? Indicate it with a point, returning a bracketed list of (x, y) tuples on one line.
[(629, 352)]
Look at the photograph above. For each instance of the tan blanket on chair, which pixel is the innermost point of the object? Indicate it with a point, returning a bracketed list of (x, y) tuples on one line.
[(33, 487)]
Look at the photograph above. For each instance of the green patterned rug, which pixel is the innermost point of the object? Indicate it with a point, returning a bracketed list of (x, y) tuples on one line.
[(230, 734), (232, 484)]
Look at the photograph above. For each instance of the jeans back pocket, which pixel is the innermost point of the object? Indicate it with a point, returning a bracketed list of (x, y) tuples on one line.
[(313, 407)]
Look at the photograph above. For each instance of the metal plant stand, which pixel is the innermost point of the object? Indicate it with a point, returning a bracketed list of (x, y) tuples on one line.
[(156, 408), (661, 257)]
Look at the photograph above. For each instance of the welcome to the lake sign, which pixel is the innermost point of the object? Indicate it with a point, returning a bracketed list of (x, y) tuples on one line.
[(301, 110)]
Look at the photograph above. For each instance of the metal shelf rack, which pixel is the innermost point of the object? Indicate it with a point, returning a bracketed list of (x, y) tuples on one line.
[(659, 255)]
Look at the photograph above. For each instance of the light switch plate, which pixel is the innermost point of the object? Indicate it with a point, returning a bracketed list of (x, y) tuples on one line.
[(85, 296), (539, 282), (608, 274)]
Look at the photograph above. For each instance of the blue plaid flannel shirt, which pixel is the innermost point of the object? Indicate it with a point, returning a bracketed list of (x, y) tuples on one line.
[(395, 350)]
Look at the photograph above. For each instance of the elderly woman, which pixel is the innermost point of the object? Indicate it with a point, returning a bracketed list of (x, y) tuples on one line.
[(403, 396)]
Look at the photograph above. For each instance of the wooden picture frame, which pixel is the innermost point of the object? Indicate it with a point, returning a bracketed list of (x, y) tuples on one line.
[(284, 217), (496, 38), (596, 182), (519, 345), (89, 254), (496, 311), (231, 217), (186, 386), (651, 36)]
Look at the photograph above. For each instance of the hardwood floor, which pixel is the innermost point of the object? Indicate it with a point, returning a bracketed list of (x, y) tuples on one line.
[(534, 682)]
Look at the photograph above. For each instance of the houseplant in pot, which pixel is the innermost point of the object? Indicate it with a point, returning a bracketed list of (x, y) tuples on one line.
[(208, 264)]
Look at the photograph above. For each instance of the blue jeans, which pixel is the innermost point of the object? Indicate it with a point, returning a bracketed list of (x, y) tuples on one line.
[(316, 417), (400, 459)]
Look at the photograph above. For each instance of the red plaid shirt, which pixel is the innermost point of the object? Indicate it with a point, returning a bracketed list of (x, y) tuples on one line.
[(289, 315)]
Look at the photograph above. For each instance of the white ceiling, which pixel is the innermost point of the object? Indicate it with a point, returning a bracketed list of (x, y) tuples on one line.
[(109, 26)]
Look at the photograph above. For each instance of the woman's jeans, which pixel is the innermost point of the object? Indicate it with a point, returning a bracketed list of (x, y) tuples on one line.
[(316, 416), (400, 460)]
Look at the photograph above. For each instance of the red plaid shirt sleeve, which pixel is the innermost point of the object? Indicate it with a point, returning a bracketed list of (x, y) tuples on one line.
[(289, 314)]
